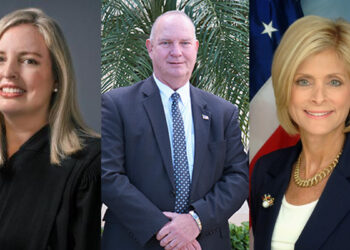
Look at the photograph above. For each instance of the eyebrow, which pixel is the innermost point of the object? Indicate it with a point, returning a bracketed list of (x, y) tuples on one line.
[(170, 39), (24, 53), (303, 75), (328, 76), (336, 75)]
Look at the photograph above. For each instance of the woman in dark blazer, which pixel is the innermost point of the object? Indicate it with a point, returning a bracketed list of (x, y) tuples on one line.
[(49, 160), (300, 195)]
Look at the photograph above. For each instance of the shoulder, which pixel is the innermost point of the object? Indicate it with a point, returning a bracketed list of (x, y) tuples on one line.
[(274, 160), (217, 106), (123, 100), (277, 155), (211, 98), (346, 147), (128, 91), (91, 147), (88, 159)]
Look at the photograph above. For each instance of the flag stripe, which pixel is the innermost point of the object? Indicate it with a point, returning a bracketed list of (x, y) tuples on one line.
[(274, 142)]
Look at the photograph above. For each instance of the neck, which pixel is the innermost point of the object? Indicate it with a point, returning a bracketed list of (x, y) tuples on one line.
[(19, 130), (319, 151), (174, 83)]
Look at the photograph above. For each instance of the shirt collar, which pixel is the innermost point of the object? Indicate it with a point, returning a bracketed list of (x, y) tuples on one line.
[(165, 90)]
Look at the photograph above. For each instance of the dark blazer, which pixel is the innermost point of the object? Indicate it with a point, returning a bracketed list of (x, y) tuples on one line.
[(328, 226), (137, 173)]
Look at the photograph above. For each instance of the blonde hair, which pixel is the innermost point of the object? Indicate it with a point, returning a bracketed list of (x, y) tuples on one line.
[(66, 124), (305, 37)]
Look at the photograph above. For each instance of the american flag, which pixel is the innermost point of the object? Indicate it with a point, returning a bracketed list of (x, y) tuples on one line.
[(269, 19)]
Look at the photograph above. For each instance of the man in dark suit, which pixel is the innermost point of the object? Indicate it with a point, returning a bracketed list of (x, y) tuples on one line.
[(173, 165)]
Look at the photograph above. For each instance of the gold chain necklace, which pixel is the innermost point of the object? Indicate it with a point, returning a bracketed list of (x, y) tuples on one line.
[(317, 177)]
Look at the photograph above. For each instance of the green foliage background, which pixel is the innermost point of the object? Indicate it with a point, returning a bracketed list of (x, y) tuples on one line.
[(222, 61), (239, 236)]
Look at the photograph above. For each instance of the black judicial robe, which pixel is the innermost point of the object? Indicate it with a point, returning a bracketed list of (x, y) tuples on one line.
[(44, 206)]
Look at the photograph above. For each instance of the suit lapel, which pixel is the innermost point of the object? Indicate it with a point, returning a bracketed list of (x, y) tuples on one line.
[(201, 128), (332, 206), (154, 109), (276, 181)]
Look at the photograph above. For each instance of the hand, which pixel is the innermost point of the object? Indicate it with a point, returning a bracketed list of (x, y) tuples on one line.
[(179, 232), (194, 245)]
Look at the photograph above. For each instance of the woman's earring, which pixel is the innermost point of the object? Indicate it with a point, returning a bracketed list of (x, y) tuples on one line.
[(55, 90)]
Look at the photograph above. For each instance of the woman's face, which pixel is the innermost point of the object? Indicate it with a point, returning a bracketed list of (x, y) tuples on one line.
[(26, 78), (320, 95)]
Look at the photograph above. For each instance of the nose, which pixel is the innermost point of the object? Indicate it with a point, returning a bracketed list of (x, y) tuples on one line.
[(176, 50), (9, 69), (318, 93)]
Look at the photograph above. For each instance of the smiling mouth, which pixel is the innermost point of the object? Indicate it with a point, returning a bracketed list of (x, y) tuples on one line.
[(175, 63), (11, 91), (318, 114)]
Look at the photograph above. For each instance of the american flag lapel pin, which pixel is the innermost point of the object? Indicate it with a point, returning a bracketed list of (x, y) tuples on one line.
[(205, 117)]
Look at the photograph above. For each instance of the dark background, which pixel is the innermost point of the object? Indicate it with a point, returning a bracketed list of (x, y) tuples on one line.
[(80, 21)]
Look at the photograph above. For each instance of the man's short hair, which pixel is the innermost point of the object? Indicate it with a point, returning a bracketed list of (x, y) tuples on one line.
[(168, 13)]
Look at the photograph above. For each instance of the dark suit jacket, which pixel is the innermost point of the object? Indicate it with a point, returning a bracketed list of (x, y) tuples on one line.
[(137, 172), (328, 226)]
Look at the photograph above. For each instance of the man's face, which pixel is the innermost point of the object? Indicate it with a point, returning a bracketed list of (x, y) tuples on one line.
[(173, 50)]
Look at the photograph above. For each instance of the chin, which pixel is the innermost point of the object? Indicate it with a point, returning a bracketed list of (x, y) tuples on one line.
[(178, 75), (324, 131), (8, 110)]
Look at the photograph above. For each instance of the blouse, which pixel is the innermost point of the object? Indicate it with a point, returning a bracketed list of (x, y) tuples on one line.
[(290, 223)]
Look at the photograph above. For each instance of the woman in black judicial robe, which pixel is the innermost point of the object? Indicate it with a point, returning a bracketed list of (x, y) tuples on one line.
[(49, 159)]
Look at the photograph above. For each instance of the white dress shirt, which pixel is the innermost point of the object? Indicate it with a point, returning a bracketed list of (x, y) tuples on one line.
[(186, 113)]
